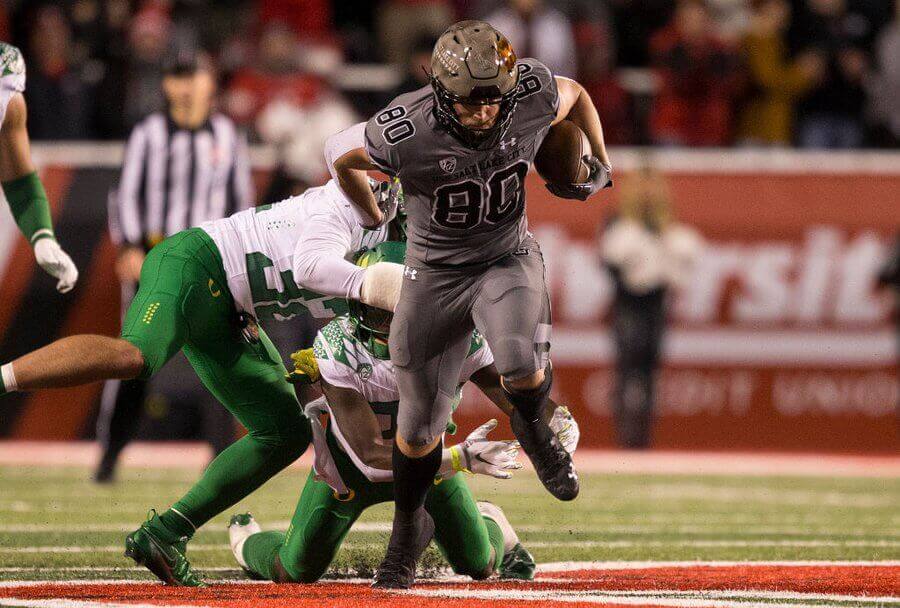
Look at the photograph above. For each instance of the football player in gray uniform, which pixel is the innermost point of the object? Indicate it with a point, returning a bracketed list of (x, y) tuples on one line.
[(21, 184), (461, 149)]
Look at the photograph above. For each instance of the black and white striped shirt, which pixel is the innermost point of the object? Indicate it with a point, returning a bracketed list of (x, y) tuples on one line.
[(174, 178)]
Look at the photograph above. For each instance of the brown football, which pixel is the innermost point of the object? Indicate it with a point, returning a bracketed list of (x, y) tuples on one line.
[(559, 159)]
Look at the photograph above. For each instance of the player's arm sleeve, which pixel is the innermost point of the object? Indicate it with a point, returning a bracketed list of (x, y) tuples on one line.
[(242, 178), (538, 89), (21, 184), (129, 198), (319, 257)]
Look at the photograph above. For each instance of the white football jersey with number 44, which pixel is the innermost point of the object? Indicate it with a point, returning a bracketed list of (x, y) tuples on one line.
[(270, 253)]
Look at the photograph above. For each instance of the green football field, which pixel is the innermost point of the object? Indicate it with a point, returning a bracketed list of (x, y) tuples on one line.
[(56, 524)]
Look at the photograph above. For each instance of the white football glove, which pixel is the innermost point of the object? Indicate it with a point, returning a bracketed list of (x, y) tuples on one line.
[(481, 456), (56, 263), (565, 428)]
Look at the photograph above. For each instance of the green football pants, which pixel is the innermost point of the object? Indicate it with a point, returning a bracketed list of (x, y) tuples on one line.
[(471, 543), (183, 303)]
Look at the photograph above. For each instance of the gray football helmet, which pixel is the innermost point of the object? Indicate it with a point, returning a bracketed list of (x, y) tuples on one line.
[(474, 64)]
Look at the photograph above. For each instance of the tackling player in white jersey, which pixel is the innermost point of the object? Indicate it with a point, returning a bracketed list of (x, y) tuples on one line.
[(201, 291)]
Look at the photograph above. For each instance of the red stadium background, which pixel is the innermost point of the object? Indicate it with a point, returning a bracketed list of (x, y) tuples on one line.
[(780, 342)]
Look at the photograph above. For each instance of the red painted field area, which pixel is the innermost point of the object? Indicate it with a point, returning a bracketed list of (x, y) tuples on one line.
[(762, 584)]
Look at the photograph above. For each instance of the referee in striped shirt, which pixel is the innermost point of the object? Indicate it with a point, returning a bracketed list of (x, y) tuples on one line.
[(182, 167)]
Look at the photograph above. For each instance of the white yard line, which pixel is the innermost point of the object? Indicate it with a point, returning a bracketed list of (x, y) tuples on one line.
[(643, 565), (611, 544), (746, 529), (6, 601), (152, 455), (699, 599)]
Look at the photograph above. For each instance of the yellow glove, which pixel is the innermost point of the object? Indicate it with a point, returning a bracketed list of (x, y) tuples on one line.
[(306, 370)]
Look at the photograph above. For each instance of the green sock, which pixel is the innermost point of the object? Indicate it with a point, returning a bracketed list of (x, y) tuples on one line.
[(175, 523), (496, 536), (260, 551), (234, 475)]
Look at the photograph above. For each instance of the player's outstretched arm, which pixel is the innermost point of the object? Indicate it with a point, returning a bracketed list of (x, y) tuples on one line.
[(575, 104), (348, 162), (27, 198)]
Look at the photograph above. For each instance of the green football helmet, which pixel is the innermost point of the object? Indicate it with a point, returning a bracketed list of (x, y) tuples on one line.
[(372, 325)]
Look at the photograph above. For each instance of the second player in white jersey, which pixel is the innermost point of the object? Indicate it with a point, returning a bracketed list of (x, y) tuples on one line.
[(294, 256)]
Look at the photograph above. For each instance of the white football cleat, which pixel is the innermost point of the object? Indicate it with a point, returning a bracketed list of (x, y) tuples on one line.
[(565, 428), (241, 527)]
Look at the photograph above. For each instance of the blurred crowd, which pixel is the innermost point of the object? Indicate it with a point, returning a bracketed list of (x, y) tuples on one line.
[(807, 73)]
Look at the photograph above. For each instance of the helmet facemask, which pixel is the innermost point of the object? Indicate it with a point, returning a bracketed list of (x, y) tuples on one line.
[(477, 139), (475, 65)]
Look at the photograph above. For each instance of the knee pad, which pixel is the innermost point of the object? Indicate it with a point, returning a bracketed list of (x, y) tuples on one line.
[(420, 426), (515, 356)]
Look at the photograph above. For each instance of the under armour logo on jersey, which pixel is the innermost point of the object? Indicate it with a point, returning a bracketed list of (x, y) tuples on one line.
[(448, 164), (508, 144), (410, 273)]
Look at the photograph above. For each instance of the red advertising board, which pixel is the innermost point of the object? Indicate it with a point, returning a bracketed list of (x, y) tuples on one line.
[(780, 340)]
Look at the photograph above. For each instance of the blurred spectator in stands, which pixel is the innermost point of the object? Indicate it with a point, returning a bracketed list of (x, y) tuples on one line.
[(400, 23), (595, 44), (730, 18), (282, 74), (418, 68), (884, 86), (287, 106), (699, 77), (635, 22), (648, 255), (306, 18), (60, 95), (538, 30), (831, 115), (776, 81), (148, 38)]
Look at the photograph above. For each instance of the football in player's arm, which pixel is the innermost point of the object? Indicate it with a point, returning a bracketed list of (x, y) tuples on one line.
[(21, 184)]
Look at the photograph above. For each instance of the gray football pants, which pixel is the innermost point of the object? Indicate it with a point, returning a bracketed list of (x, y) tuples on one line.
[(431, 332)]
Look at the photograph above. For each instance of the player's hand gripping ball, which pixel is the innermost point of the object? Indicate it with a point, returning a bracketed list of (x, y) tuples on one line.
[(567, 164), (600, 178)]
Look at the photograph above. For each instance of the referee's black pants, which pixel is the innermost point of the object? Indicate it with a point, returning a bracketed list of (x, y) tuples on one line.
[(638, 328)]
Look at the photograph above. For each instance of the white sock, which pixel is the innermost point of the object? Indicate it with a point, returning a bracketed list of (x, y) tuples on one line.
[(8, 378)]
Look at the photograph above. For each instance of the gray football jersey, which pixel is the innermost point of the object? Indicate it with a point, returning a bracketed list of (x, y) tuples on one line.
[(465, 206)]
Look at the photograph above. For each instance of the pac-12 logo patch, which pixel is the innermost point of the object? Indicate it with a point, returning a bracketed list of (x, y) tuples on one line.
[(448, 164)]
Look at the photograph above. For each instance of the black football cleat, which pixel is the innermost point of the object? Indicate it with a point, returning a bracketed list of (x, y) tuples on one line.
[(553, 464), (408, 541)]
